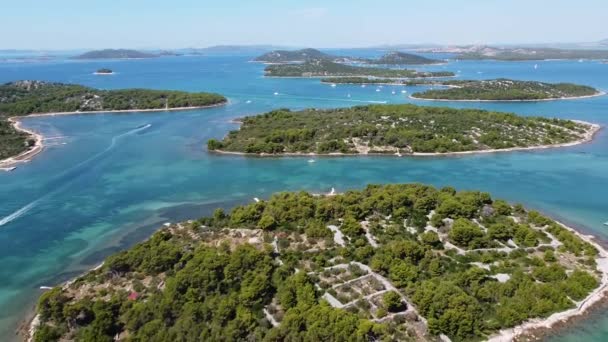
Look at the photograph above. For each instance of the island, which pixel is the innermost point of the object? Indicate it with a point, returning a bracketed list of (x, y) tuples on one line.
[(35, 98), (104, 71), (359, 80), (115, 54), (521, 53), (397, 130), (325, 68), (295, 56), (402, 58), (397, 262), (505, 90)]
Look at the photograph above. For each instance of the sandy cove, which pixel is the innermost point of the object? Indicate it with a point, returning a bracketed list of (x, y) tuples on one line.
[(600, 93), (587, 137), (9, 164)]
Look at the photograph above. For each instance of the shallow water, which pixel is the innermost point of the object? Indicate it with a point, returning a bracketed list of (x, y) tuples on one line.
[(107, 182)]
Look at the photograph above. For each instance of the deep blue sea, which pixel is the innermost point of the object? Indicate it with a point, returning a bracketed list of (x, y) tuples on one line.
[(102, 184)]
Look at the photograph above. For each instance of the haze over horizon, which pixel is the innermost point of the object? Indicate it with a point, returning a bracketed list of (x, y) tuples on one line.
[(71, 24)]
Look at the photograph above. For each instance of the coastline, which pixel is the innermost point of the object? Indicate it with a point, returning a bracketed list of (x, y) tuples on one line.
[(599, 93), (9, 163), (587, 137), (533, 328), (542, 326), (363, 76)]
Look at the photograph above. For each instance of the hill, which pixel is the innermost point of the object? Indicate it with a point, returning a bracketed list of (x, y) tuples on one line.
[(395, 129), (115, 54), (399, 262), (286, 56)]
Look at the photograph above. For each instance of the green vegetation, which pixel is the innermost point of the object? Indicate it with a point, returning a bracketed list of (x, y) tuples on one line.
[(104, 71), (219, 278), (326, 68), (527, 54), (114, 54), (284, 56), (27, 97), (12, 142), (402, 58), (505, 90), (375, 80), (393, 129)]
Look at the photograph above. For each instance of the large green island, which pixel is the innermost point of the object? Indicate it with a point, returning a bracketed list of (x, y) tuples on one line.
[(403, 58), (505, 90), (398, 130), (326, 68), (293, 56), (404, 262), (22, 98)]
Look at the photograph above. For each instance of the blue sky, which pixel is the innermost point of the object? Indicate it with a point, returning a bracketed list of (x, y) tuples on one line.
[(69, 24)]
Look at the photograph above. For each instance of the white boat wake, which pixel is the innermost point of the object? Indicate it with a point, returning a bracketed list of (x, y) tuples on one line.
[(20, 212)]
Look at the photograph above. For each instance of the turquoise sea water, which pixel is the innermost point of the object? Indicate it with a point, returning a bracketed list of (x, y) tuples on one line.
[(106, 182)]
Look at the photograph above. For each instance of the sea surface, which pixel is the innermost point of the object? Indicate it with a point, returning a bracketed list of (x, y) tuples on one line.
[(107, 181)]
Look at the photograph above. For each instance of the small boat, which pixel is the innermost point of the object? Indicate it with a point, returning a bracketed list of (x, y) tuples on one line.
[(393, 92), (311, 160), (403, 91), (333, 85), (606, 223), (248, 101), (378, 90), (257, 200), (46, 288), (535, 66), (348, 95), (276, 93)]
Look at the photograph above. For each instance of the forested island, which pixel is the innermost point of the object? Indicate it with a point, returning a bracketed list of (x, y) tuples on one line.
[(115, 54), (505, 90), (287, 56), (402, 58), (104, 71), (396, 129), (403, 262), (38, 97), (325, 68), (376, 80)]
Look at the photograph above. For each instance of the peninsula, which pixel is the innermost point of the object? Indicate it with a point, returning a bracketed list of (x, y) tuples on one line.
[(397, 130), (506, 90), (115, 54), (401, 262), (23, 98), (325, 68)]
